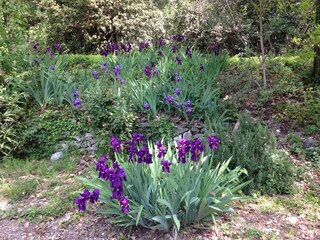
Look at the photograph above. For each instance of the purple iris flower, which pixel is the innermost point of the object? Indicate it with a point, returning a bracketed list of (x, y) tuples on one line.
[(122, 81), (85, 194), (77, 103), (196, 150), (48, 49), (95, 74), (124, 203), (165, 166), (174, 48), (160, 42), (144, 155), (57, 46), (94, 196), (189, 111), (179, 60), (146, 106), (175, 38), (52, 67), (104, 52), (188, 103), (35, 46), (141, 46), (201, 67), (169, 99), (183, 148), (213, 142), (116, 71), (160, 53), (81, 202), (177, 77), (188, 52), (155, 71), (148, 71), (115, 143), (177, 91), (216, 50), (76, 94)]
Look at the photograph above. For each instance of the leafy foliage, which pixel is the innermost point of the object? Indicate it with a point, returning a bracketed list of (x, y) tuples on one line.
[(10, 113)]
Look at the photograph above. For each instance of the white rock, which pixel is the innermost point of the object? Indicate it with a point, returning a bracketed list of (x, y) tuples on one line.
[(56, 156)]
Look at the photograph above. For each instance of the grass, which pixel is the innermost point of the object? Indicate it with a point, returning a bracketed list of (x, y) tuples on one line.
[(15, 168), (19, 190)]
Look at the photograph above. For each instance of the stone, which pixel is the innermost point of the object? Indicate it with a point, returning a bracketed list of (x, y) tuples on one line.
[(84, 145), (56, 156), (236, 126), (78, 138), (88, 136), (144, 124), (61, 146), (92, 142), (187, 135), (292, 220), (93, 148), (310, 142), (181, 130), (194, 130), (199, 136)]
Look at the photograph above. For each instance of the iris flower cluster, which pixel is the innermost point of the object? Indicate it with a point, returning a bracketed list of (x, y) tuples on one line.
[(143, 46), (77, 100), (87, 196), (110, 48), (104, 67), (195, 148), (162, 150), (151, 71), (188, 53), (115, 175), (131, 145)]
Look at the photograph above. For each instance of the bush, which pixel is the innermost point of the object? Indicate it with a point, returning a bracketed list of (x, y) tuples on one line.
[(185, 189), (109, 114), (253, 147)]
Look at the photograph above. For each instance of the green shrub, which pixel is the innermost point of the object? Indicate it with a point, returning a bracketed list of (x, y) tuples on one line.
[(108, 114), (253, 147), (161, 199)]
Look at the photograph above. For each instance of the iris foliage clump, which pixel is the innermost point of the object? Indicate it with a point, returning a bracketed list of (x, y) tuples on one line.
[(163, 187)]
